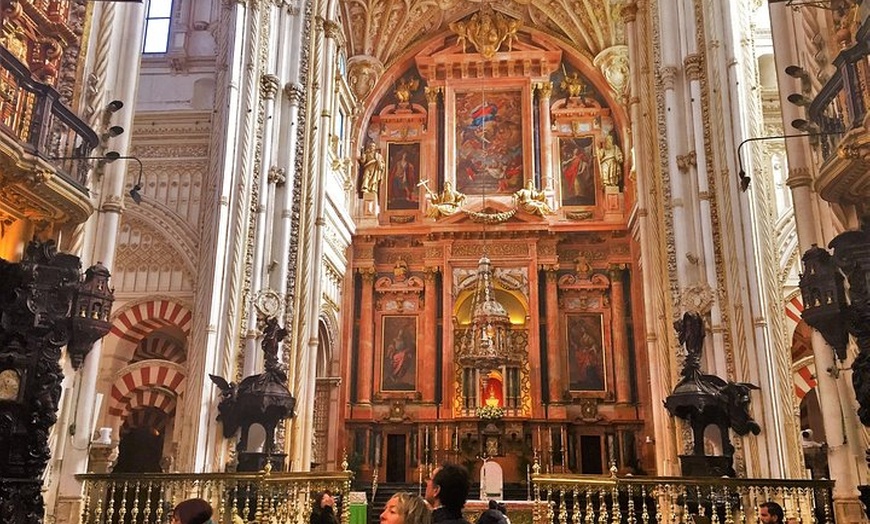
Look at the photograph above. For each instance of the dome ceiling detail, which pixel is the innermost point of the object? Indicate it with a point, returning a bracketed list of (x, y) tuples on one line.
[(385, 29)]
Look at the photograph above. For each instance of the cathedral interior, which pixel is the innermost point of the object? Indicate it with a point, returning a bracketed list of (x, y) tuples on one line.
[(544, 237)]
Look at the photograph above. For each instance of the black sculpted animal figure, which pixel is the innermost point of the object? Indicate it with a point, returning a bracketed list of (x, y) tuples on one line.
[(227, 405), (703, 400), (737, 397)]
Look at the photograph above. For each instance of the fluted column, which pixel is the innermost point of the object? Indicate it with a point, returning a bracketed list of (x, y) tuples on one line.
[(620, 335), (105, 224), (545, 89), (556, 382), (427, 348), (365, 362)]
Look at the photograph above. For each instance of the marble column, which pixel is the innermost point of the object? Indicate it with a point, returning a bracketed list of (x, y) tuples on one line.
[(545, 89), (621, 364), (430, 315), (556, 382), (365, 362)]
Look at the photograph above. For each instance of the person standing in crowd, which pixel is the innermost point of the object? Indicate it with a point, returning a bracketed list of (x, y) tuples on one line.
[(492, 515), (405, 508), (771, 513), (447, 491), (323, 509), (192, 511)]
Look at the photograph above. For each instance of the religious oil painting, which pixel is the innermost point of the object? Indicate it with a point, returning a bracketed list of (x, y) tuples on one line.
[(577, 171), (399, 356), (584, 341), (489, 142), (402, 176)]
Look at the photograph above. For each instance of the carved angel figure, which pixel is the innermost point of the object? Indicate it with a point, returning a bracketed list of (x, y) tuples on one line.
[(532, 201), (447, 203)]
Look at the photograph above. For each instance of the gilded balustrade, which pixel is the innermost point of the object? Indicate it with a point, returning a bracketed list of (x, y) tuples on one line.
[(274, 498), (583, 499), (33, 116)]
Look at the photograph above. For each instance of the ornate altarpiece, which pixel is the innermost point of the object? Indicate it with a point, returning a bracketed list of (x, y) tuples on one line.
[(485, 128)]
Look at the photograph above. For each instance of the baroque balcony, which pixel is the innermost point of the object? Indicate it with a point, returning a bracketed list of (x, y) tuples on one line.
[(840, 112), (35, 128)]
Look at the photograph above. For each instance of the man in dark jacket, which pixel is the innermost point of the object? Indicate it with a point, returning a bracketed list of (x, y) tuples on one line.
[(447, 491), (493, 515)]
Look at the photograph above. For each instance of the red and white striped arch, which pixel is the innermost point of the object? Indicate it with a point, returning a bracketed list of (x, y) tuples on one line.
[(145, 398), (146, 418), (142, 377), (803, 366), (136, 322), (159, 347)]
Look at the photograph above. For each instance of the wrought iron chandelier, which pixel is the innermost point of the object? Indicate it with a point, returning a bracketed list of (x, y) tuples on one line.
[(487, 344)]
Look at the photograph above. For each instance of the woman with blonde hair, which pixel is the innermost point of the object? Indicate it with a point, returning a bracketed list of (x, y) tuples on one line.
[(406, 508)]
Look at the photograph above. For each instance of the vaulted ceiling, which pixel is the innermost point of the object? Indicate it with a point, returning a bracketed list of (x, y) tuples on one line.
[(385, 29)]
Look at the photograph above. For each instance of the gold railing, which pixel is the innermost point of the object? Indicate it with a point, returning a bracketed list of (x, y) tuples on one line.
[(34, 116), (274, 498), (582, 499)]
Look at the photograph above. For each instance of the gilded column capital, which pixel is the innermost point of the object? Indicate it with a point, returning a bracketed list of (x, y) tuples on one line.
[(269, 85), (430, 272), (629, 12), (545, 89), (693, 63), (367, 274), (331, 29), (616, 272), (668, 74), (552, 271), (432, 94), (293, 93)]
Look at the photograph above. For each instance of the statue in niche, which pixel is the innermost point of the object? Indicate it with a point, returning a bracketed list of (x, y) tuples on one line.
[(449, 202), (610, 162), (582, 267), (532, 201), (573, 84), (405, 88), (400, 270), (373, 169)]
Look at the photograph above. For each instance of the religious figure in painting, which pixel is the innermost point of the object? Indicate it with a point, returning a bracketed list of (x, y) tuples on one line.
[(400, 354), (585, 353), (402, 177), (610, 162), (373, 168), (578, 185), (489, 142), (532, 201)]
